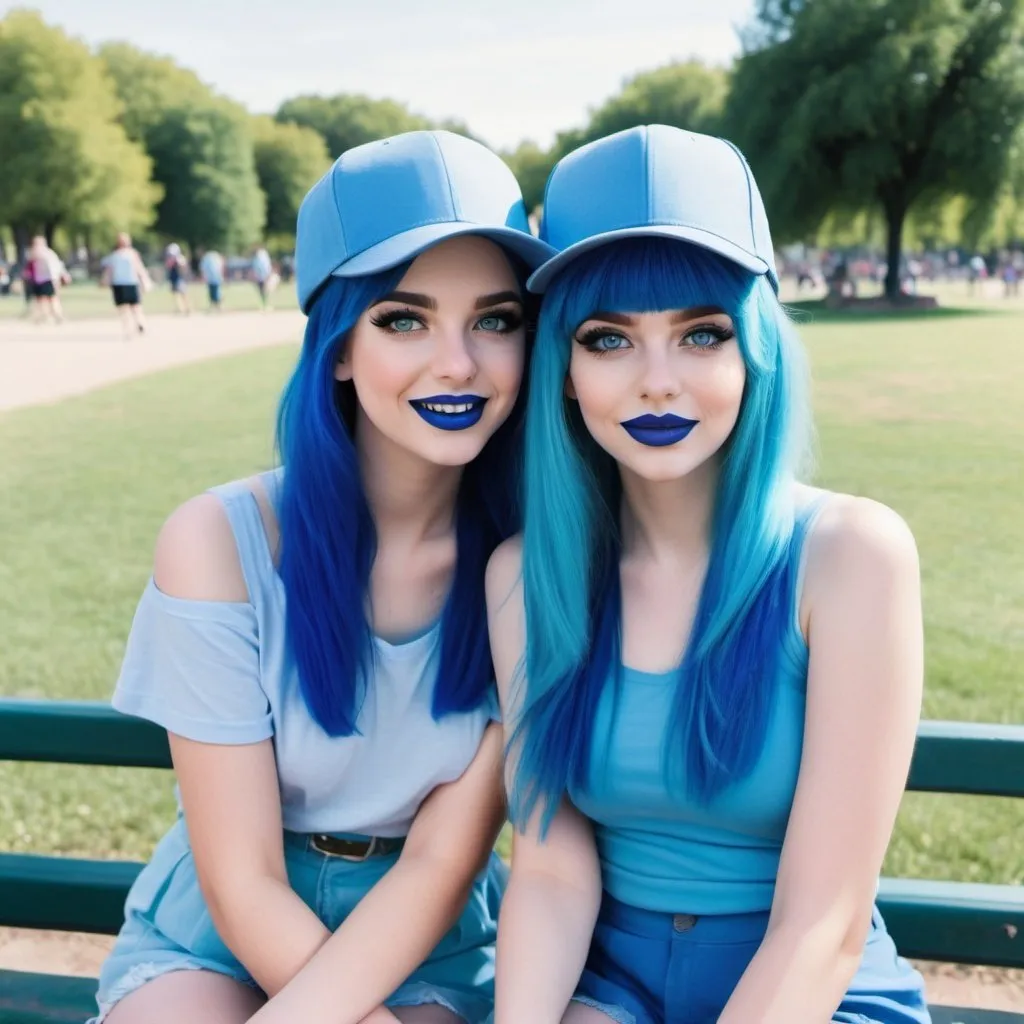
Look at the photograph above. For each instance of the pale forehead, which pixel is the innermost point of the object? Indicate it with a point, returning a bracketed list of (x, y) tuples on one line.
[(467, 264)]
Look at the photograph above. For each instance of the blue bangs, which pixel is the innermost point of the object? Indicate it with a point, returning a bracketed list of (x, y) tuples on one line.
[(329, 540), (571, 545)]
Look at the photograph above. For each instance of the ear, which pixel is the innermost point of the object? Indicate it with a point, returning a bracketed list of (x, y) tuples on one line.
[(342, 370), (570, 390)]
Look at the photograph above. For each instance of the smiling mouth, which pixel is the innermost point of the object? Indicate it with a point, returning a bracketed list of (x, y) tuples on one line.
[(450, 412), (659, 431)]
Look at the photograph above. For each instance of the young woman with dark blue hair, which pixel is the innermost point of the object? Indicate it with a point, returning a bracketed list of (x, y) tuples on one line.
[(710, 672), (314, 638)]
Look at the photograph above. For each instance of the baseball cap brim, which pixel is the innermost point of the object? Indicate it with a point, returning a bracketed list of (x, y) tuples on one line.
[(542, 277), (409, 244)]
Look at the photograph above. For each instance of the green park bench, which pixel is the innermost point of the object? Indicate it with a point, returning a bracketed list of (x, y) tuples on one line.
[(947, 921)]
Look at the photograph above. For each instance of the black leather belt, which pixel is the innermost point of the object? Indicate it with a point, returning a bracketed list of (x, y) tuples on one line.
[(356, 849)]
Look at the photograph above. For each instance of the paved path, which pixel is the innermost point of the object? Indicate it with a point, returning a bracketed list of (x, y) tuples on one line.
[(45, 363)]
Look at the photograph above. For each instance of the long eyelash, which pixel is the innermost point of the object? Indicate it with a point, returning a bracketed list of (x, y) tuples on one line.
[(387, 318), (723, 334), (512, 317), (592, 335)]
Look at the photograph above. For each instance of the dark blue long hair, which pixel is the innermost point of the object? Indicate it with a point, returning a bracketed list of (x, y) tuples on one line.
[(328, 538)]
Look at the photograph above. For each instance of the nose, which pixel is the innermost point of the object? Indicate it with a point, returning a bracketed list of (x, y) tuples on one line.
[(453, 357), (659, 380)]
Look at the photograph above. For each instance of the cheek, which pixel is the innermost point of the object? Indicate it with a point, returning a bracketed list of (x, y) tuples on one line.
[(592, 385), (719, 387), (503, 362)]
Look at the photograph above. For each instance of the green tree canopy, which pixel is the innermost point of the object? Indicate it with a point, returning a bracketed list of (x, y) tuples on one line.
[(66, 159), (843, 106), (687, 94), (205, 159), (531, 165), (148, 84), (289, 160), (201, 146), (350, 120)]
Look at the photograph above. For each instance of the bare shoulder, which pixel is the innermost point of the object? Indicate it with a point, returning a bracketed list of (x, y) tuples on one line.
[(504, 572), (196, 555), (858, 540)]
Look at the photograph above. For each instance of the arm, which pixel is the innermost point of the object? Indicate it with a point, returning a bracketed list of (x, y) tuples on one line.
[(554, 891), (863, 602), (230, 794), (400, 921)]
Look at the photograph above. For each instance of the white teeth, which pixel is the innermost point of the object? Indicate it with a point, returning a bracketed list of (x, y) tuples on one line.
[(434, 407)]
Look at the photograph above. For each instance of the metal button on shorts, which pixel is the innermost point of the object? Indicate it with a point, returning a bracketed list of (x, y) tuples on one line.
[(683, 922)]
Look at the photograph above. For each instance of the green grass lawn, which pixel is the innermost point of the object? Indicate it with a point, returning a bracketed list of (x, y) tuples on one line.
[(922, 413), (86, 300)]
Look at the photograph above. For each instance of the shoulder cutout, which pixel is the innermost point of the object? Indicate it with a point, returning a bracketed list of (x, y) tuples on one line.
[(196, 555)]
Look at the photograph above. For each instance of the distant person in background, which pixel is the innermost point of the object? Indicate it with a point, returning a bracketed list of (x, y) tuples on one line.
[(48, 274), (125, 273), (976, 271), (28, 286), (211, 269), (263, 275), (1011, 278), (176, 265)]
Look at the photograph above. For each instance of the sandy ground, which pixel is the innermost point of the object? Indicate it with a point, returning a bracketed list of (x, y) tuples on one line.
[(43, 364)]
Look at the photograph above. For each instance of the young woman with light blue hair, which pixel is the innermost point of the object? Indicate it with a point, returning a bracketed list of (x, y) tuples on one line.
[(710, 673), (314, 638)]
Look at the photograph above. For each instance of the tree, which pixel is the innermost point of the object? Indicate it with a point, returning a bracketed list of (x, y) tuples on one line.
[(350, 120), (531, 165), (148, 85), (686, 94), (289, 160), (204, 157), (843, 106), (201, 147), (66, 159)]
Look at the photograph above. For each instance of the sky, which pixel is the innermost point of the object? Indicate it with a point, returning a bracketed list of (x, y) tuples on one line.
[(513, 71)]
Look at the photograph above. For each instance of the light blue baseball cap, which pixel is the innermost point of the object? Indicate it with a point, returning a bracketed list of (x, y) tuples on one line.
[(655, 180), (387, 201)]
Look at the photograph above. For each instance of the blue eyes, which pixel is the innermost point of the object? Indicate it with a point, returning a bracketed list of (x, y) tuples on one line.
[(601, 340), (493, 323), (401, 321)]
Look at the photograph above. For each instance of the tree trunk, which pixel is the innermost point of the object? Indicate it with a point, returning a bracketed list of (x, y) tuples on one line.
[(895, 214), (22, 240), (48, 230)]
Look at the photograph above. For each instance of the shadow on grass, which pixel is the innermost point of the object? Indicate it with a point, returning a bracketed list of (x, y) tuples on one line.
[(815, 311)]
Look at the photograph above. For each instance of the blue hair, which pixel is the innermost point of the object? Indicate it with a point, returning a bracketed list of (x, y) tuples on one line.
[(571, 544), (328, 538)]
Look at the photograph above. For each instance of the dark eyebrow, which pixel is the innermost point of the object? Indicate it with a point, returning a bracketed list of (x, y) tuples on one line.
[(492, 300), (625, 320), (410, 299)]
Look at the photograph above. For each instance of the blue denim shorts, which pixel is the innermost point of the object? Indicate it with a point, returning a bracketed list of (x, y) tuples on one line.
[(168, 927), (646, 967)]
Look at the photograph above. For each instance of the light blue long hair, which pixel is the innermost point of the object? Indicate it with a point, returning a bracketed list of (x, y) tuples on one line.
[(328, 537), (571, 542)]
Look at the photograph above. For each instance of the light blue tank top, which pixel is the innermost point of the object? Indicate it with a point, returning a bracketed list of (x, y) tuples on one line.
[(661, 849), (217, 672)]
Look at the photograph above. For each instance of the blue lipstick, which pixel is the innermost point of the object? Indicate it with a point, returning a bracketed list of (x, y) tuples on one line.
[(659, 431), (450, 412)]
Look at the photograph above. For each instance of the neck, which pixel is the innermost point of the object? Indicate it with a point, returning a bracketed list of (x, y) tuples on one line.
[(409, 497), (669, 519)]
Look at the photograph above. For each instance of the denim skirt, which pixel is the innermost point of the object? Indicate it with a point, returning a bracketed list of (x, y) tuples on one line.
[(168, 927), (646, 967)]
